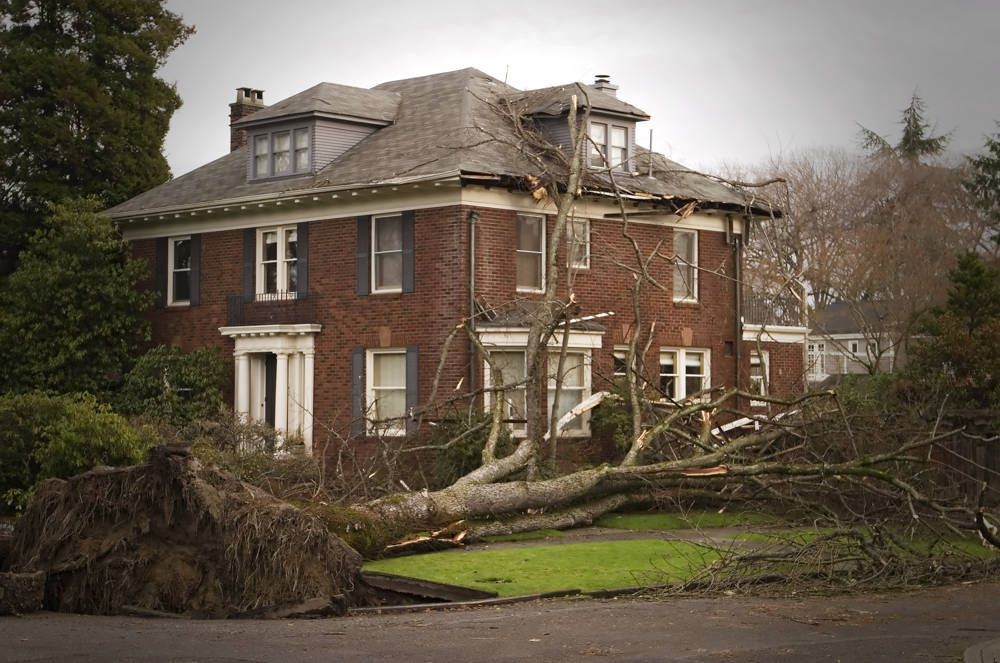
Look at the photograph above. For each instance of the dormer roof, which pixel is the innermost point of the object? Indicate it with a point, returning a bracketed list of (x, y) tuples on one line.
[(333, 101), (555, 101)]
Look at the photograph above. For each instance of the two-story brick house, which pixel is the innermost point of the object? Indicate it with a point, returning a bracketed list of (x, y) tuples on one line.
[(349, 230)]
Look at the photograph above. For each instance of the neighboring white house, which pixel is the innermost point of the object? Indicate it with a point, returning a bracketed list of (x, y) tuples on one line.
[(838, 344)]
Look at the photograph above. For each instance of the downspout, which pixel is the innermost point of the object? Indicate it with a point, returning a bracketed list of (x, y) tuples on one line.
[(738, 297), (472, 218)]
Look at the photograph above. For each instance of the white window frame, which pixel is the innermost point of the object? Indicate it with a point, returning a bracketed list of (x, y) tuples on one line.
[(172, 269), (269, 160), (816, 360), (603, 155), (760, 358), (397, 426), (282, 264), (375, 253), (572, 241), (683, 267), (519, 250), (620, 352), (679, 376), (517, 429), (583, 428)]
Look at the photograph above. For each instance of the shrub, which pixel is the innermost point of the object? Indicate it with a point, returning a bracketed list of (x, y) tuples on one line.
[(44, 436), (175, 387)]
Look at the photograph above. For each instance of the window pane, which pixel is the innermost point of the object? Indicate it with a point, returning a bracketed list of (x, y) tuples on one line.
[(579, 243), (599, 134), (182, 286), (568, 399), (291, 277), (693, 371), (619, 136), (572, 374), (261, 155), (511, 364), (529, 270), (281, 159), (291, 244), (389, 234), (668, 370), (529, 233), (182, 254), (388, 270), (389, 370), (271, 277), (619, 366), (301, 139), (692, 385), (390, 404), (685, 265), (301, 160), (270, 248)]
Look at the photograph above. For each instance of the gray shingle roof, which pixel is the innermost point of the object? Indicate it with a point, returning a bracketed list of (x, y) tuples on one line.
[(555, 101), (332, 99), (442, 124)]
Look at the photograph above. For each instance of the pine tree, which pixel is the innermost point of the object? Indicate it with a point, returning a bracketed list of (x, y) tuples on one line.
[(915, 141), (983, 184), (82, 112)]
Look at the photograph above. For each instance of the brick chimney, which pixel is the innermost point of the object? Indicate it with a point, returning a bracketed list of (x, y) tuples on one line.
[(603, 83), (248, 101)]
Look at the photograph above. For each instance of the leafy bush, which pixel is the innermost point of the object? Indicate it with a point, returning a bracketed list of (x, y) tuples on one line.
[(175, 387), (44, 436)]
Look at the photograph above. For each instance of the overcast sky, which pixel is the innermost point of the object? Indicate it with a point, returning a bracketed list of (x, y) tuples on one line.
[(725, 81)]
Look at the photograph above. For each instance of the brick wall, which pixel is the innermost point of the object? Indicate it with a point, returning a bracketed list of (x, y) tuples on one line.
[(441, 299)]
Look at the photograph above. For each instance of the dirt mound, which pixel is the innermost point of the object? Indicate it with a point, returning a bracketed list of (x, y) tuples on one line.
[(173, 535)]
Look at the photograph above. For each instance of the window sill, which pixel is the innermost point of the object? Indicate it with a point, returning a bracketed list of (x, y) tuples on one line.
[(692, 303), (178, 305), (532, 291), (388, 291)]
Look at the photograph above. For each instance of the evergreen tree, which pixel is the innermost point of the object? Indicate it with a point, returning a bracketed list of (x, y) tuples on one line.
[(82, 112), (974, 296), (73, 309), (983, 184), (916, 140)]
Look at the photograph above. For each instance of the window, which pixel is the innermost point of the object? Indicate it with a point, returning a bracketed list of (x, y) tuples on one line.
[(280, 153), (530, 252), (386, 402), (510, 363), (578, 239), (816, 370), (179, 279), (760, 375), (575, 388), (685, 265), (277, 263), (854, 347), (616, 151), (683, 372), (619, 365), (387, 253)]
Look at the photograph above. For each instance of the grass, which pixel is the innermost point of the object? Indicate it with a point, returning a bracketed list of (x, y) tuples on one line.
[(525, 536), (689, 520), (584, 566)]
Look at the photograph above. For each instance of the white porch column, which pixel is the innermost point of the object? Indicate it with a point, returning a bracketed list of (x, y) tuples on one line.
[(307, 399), (281, 394), (242, 383)]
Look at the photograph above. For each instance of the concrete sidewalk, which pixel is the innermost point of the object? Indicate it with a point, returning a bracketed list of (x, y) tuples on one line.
[(984, 652)]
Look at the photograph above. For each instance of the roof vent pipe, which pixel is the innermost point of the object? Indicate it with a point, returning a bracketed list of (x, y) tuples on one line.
[(602, 82)]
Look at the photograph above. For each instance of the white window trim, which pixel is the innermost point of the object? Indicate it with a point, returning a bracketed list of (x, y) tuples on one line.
[(374, 281), (816, 360), (170, 273), (605, 150), (519, 429), (694, 265), (586, 390), (764, 357), (585, 263), (679, 359), (544, 223), (282, 263), (398, 427)]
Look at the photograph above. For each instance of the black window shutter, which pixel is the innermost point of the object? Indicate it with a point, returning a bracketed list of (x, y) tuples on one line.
[(160, 271), (195, 273), (412, 389), (357, 392), (363, 254), (302, 261), (249, 262), (408, 251)]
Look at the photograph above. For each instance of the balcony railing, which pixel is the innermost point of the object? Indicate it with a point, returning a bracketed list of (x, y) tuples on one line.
[(782, 311), (272, 308)]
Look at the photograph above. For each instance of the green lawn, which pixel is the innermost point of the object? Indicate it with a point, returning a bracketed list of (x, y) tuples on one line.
[(688, 520), (584, 566)]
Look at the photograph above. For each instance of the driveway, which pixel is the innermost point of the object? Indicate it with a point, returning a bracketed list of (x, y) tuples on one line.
[(935, 624)]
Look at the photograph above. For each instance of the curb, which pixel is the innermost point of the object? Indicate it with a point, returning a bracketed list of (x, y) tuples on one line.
[(984, 652)]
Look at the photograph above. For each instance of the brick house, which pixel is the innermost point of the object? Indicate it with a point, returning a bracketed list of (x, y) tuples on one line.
[(349, 230)]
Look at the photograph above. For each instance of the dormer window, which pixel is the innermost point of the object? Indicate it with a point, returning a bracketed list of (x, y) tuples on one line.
[(281, 153), (611, 140)]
